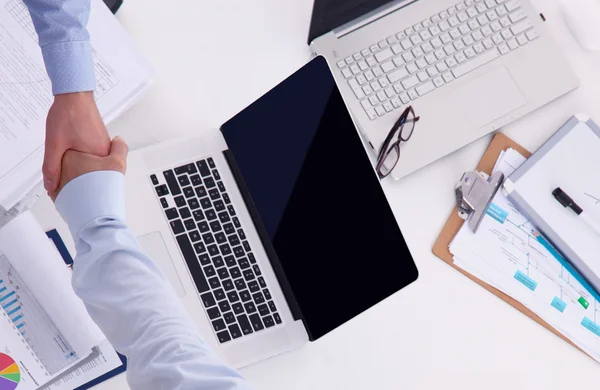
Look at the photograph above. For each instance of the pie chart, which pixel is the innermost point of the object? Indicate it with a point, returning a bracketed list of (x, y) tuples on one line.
[(10, 376)]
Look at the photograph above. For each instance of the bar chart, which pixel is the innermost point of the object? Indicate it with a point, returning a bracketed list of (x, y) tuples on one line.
[(31, 320)]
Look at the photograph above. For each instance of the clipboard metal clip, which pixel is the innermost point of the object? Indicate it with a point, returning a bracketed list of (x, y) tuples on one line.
[(474, 194)]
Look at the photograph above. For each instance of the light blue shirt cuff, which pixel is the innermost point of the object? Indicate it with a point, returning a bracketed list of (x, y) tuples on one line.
[(90, 196), (70, 66)]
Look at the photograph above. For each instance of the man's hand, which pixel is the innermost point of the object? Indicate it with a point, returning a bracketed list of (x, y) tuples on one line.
[(73, 123), (75, 164)]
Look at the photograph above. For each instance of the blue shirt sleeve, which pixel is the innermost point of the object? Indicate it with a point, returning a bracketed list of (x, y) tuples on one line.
[(65, 43), (126, 294)]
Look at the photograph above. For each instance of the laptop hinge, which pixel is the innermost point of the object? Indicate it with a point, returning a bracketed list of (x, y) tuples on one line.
[(266, 241), (371, 17)]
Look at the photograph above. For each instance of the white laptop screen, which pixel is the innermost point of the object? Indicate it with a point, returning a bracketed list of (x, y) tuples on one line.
[(318, 200)]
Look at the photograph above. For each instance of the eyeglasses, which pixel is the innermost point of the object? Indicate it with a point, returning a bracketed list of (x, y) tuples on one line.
[(389, 155)]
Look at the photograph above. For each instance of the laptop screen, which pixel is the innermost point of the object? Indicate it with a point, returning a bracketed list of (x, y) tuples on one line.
[(331, 14), (319, 202)]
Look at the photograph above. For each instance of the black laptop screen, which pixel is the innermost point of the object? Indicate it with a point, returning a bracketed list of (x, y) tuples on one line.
[(331, 14), (318, 199)]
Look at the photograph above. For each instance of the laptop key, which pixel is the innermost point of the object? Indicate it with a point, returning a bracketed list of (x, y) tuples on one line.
[(208, 238), (252, 258), (220, 185), (216, 174), (258, 298), (189, 224), (245, 324), (272, 306), (164, 203), (154, 179), (162, 190), (250, 308), (233, 296), (225, 249), (223, 273), (184, 212), (223, 337), (268, 320), (218, 325), (277, 318), (193, 203), (238, 251), (229, 317), (224, 217), (219, 294), (248, 275), (200, 191), (208, 300), (171, 213), (246, 246), (209, 271), (256, 270), (203, 227), (235, 272), (219, 205), (237, 308), (213, 313), (177, 227), (262, 282), (245, 296), (172, 182), (198, 215), (180, 201), (218, 261), (188, 192), (209, 182), (203, 168), (236, 222), (214, 282), (228, 285), (242, 234), (234, 240), (195, 236), (224, 306), (214, 194), (267, 293), (183, 181), (253, 285), (256, 322), (229, 229), (221, 238), (230, 261), (226, 198), (231, 210), (211, 162), (211, 215), (213, 250), (240, 284), (196, 180), (263, 310), (206, 203), (243, 262), (204, 259), (200, 247), (215, 226), (235, 331)]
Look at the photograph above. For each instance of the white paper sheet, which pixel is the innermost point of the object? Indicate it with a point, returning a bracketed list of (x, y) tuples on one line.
[(122, 76)]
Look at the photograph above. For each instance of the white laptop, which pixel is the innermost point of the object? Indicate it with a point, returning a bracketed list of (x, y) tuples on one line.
[(467, 67), (274, 230)]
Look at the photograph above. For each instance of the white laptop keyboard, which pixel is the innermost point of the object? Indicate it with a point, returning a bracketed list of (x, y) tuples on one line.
[(448, 45)]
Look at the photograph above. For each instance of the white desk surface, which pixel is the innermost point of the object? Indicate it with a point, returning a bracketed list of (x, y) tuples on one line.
[(215, 57)]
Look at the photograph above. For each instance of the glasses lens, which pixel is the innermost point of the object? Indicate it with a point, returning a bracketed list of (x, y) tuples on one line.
[(409, 126), (389, 161)]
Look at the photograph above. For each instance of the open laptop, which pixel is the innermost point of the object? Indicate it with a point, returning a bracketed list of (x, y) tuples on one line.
[(468, 67), (274, 230)]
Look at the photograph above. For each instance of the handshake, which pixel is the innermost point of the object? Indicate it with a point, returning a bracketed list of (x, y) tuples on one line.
[(77, 142)]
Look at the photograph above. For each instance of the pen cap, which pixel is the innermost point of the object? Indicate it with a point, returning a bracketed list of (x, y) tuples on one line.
[(566, 200)]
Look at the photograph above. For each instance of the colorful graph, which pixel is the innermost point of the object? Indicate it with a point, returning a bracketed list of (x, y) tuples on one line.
[(10, 376)]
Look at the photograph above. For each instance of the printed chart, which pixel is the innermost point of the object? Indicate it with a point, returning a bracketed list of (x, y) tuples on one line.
[(31, 320), (10, 375)]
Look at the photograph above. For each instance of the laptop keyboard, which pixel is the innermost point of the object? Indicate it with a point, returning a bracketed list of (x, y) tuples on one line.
[(212, 241), (440, 49)]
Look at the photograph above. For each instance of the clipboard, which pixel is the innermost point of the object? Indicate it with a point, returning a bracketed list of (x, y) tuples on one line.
[(499, 143)]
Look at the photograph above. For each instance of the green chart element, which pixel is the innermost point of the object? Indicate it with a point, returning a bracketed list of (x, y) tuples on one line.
[(12, 377)]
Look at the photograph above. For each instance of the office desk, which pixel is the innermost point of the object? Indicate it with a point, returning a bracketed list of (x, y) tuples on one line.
[(215, 57)]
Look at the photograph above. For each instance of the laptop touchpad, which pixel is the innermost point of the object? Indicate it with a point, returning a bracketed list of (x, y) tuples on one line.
[(154, 246), (490, 97)]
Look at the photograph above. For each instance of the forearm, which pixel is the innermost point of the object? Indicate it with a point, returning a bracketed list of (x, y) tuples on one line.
[(63, 36), (129, 298)]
